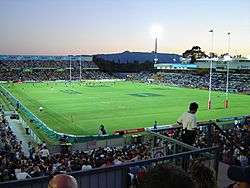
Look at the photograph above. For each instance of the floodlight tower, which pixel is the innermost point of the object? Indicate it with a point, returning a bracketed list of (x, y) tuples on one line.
[(227, 59), (155, 58), (210, 74), (156, 32)]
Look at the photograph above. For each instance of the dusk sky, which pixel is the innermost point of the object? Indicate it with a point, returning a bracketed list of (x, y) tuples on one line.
[(61, 27)]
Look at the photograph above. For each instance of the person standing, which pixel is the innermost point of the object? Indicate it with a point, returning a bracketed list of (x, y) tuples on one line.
[(155, 124), (102, 130), (189, 124), (17, 105)]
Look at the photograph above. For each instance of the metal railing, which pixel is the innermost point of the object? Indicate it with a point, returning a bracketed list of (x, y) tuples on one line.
[(210, 127), (116, 176)]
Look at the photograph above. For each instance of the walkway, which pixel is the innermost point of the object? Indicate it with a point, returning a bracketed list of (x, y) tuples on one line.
[(20, 132), (223, 181)]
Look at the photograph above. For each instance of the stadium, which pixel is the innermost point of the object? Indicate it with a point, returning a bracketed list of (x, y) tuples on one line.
[(124, 94), (61, 103)]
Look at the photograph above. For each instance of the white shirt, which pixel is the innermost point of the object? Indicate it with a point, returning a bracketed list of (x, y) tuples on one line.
[(86, 167), (188, 120), (22, 175), (44, 153)]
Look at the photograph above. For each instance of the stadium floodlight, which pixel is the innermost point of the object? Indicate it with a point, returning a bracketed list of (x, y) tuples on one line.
[(227, 58), (229, 37), (156, 32)]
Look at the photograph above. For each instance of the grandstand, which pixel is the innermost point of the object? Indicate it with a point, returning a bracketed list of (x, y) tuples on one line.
[(197, 74), (219, 64), (39, 68), (104, 161)]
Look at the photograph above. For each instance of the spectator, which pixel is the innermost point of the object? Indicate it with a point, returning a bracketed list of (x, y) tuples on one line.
[(44, 152), (22, 175), (141, 174), (167, 176), (202, 175), (86, 166), (239, 174), (155, 124), (189, 125), (62, 181), (102, 130), (36, 172), (245, 124), (131, 179), (246, 139), (5, 176)]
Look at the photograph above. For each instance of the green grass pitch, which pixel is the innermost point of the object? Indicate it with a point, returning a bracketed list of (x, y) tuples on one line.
[(80, 108)]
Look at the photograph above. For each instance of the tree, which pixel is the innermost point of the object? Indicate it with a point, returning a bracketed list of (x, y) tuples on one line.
[(194, 53), (112, 66)]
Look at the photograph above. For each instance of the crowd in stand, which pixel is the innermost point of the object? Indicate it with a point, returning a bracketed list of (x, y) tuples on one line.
[(39, 164), (15, 165), (36, 70), (240, 134), (29, 64), (52, 75), (10, 149), (238, 83)]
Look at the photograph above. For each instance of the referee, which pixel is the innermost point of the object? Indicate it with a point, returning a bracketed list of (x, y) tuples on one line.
[(189, 124)]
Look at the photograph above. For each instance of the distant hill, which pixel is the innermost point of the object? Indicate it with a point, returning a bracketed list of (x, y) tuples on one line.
[(141, 57)]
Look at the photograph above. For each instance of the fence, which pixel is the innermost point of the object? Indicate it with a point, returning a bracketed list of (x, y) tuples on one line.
[(209, 127), (116, 176)]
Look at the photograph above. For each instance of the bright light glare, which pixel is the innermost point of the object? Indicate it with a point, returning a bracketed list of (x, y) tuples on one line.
[(227, 58), (156, 31), (248, 57)]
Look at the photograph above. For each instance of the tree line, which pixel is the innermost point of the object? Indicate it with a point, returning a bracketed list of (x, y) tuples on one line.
[(115, 67)]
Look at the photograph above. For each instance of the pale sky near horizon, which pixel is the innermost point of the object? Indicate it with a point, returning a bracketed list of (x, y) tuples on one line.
[(61, 27)]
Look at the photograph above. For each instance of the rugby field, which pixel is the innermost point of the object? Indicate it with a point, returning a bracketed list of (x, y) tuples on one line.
[(80, 108)]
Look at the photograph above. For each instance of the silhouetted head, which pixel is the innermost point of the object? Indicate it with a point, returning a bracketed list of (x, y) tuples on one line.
[(62, 181), (239, 174), (167, 176)]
